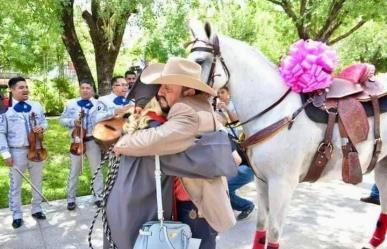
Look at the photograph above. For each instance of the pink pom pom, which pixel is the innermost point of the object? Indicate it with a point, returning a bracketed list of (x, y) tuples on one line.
[(308, 66)]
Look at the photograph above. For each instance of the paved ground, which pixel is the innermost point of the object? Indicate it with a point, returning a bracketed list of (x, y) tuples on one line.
[(322, 216)]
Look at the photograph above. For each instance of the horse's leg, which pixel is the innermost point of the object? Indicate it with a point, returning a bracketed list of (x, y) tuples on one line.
[(280, 193), (381, 182), (263, 208)]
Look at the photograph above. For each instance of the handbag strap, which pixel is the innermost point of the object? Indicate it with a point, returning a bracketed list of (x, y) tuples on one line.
[(160, 211)]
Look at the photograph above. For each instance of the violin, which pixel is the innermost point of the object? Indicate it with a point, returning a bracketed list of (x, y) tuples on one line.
[(78, 147), (36, 152)]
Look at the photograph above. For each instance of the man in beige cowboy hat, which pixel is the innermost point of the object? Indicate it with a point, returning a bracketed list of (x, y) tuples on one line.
[(205, 206)]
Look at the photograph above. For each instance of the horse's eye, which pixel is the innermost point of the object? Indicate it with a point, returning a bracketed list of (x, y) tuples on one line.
[(200, 61)]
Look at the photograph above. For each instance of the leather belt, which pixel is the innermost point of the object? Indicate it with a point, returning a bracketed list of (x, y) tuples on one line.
[(87, 139), (19, 147)]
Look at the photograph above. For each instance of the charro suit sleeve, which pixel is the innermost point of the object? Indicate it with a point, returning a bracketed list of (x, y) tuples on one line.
[(174, 136), (4, 149)]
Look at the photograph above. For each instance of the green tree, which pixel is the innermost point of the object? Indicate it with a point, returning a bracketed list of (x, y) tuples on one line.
[(332, 20), (29, 40), (254, 22), (106, 21), (366, 45), (164, 27)]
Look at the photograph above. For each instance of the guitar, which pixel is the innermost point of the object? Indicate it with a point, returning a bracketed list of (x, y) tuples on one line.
[(108, 132)]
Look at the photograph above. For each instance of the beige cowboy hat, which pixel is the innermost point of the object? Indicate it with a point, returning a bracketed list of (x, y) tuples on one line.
[(177, 71)]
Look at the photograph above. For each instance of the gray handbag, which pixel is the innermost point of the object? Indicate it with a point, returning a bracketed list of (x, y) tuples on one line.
[(164, 234)]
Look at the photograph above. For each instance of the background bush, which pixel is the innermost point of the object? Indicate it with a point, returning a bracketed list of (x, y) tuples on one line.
[(53, 94)]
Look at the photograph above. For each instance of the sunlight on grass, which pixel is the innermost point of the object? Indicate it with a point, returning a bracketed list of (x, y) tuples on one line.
[(56, 169)]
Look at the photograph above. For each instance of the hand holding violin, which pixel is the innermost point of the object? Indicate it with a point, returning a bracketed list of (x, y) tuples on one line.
[(77, 123), (37, 129), (8, 161)]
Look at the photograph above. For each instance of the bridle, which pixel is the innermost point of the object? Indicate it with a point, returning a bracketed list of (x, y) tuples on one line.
[(214, 49)]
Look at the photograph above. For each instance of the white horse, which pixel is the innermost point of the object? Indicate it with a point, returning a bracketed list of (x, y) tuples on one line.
[(283, 160)]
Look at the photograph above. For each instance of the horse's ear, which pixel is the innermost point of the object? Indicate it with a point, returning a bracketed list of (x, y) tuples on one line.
[(193, 26), (207, 28), (192, 32)]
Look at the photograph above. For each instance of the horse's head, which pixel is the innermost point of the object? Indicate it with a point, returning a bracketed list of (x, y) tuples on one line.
[(206, 52)]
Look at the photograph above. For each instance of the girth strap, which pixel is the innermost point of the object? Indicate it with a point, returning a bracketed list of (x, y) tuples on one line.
[(324, 150), (378, 140)]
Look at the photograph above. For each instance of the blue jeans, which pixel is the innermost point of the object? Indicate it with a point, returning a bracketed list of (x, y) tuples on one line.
[(244, 176), (374, 192), (199, 227)]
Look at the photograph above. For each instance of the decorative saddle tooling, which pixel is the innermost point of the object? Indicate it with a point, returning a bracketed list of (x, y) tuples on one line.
[(347, 101)]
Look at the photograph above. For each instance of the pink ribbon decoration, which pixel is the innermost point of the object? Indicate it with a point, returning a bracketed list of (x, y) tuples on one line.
[(308, 66)]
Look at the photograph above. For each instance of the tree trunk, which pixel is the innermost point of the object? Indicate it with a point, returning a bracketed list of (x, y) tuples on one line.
[(105, 68), (106, 50), (73, 47)]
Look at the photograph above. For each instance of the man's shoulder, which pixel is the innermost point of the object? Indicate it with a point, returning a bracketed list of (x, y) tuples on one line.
[(198, 102), (34, 104), (106, 100), (73, 101), (181, 108), (105, 97), (183, 111)]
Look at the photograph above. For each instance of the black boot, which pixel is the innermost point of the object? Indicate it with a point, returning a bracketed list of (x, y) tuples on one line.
[(17, 223)]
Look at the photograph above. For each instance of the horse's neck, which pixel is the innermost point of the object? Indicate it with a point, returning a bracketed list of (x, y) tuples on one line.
[(255, 84)]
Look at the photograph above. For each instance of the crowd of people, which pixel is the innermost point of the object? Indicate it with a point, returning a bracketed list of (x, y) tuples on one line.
[(187, 124), (185, 130)]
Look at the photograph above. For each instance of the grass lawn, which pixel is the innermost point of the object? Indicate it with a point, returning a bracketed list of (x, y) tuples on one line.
[(56, 169)]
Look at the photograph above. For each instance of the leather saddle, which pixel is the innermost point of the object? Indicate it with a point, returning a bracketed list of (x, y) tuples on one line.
[(341, 88), (343, 103)]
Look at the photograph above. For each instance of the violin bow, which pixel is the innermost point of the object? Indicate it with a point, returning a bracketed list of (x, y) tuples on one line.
[(82, 154), (32, 185)]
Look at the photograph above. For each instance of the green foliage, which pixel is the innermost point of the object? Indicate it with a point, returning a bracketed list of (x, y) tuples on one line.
[(164, 24), (330, 20), (53, 94), (366, 45), (29, 38), (65, 88), (254, 22)]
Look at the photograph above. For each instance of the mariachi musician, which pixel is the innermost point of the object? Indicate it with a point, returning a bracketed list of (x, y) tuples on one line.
[(115, 104), (78, 117), (17, 138)]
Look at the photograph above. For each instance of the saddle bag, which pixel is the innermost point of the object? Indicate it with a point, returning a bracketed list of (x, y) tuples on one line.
[(164, 234)]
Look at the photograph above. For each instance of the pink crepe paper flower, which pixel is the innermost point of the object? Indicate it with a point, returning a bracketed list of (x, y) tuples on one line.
[(308, 66)]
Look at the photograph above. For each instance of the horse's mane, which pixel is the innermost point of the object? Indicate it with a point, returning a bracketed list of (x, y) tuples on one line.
[(250, 52)]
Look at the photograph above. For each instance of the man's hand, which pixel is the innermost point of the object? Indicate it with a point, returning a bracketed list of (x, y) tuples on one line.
[(37, 129), (77, 123), (116, 152), (8, 162), (221, 105)]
